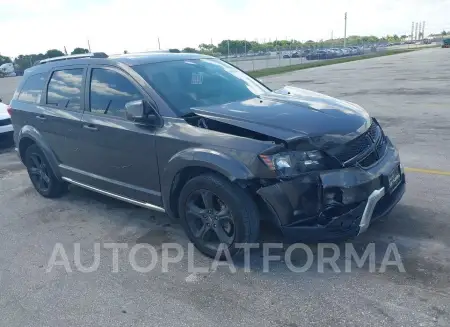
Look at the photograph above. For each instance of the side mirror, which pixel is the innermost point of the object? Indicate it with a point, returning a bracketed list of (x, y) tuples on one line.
[(141, 112)]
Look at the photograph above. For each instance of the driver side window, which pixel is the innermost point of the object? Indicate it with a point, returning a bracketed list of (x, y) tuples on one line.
[(110, 91)]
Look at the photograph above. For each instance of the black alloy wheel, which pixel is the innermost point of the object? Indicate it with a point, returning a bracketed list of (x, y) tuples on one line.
[(210, 220), (215, 211), (41, 173)]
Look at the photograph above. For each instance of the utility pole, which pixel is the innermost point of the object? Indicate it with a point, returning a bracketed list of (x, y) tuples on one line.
[(89, 46), (423, 30), (420, 30), (228, 42), (345, 30), (245, 47), (159, 44), (412, 31), (417, 30)]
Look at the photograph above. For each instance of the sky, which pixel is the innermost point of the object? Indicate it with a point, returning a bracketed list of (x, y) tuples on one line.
[(112, 26)]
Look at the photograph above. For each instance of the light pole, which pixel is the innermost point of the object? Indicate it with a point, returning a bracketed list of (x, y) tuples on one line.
[(345, 30)]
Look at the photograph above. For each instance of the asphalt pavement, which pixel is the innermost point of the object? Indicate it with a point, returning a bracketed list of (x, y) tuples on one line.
[(409, 95)]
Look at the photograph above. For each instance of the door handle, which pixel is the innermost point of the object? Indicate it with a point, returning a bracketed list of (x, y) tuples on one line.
[(41, 117), (90, 127)]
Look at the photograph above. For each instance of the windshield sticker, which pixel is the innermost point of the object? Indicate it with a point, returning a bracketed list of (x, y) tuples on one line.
[(197, 78)]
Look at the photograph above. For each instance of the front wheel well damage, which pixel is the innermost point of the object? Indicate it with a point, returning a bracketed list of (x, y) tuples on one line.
[(180, 179), (183, 176)]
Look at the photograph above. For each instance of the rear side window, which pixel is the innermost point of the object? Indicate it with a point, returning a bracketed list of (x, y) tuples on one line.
[(65, 89), (32, 88), (110, 91)]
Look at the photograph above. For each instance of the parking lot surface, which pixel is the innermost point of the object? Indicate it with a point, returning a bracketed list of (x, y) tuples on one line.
[(409, 95)]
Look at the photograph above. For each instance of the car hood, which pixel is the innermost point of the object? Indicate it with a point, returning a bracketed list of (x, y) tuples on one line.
[(293, 112), (3, 112)]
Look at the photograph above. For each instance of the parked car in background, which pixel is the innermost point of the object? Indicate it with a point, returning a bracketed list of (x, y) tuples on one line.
[(346, 52), (357, 50), (337, 52), (7, 70), (6, 128), (316, 55), (352, 51), (305, 52), (295, 55), (446, 43)]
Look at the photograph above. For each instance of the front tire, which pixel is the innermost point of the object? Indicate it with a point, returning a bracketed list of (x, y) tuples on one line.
[(213, 211), (42, 175)]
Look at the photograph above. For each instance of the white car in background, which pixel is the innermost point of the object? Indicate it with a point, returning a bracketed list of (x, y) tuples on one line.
[(6, 128), (7, 70)]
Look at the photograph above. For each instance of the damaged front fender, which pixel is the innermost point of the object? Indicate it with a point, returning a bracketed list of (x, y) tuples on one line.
[(327, 205), (294, 199)]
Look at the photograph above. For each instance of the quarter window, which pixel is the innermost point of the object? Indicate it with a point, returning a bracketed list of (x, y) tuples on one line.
[(32, 89), (110, 91), (65, 89)]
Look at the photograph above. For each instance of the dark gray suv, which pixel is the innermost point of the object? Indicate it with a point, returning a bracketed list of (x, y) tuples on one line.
[(197, 138)]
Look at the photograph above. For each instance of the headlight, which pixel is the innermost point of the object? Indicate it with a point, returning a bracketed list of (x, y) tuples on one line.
[(294, 162)]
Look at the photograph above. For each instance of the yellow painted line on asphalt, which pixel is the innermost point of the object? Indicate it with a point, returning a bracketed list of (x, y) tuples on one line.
[(428, 171)]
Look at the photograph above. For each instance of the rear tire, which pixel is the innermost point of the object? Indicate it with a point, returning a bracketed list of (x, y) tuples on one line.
[(41, 173), (213, 210)]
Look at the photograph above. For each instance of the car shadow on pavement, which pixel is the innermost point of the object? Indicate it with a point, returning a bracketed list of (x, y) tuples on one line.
[(406, 227)]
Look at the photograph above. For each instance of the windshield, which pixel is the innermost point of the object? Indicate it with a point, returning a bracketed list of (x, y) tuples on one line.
[(186, 84)]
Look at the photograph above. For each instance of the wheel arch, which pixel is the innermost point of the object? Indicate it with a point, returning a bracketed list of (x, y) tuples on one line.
[(29, 135), (193, 162)]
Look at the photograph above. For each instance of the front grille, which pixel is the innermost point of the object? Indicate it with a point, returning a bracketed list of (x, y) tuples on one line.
[(381, 147), (374, 131), (362, 144), (5, 122), (359, 144), (369, 160), (355, 147)]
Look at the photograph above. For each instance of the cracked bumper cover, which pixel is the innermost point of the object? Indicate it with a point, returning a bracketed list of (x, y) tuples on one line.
[(336, 204)]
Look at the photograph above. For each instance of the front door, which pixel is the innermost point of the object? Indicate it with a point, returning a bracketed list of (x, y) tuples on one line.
[(118, 156)]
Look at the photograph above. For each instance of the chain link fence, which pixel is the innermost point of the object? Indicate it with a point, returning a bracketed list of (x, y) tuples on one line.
[(262, 54)]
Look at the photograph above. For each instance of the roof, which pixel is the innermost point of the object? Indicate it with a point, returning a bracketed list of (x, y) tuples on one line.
[(127, 59), (153, 57)]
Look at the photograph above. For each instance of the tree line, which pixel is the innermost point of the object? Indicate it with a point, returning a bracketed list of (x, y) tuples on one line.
[(23, 62), (226, 47)]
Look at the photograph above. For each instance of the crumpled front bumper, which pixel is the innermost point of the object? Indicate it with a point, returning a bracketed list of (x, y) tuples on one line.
[(336, 204)]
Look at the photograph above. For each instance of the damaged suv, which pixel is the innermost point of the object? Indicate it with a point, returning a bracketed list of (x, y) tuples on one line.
[(195, 137)]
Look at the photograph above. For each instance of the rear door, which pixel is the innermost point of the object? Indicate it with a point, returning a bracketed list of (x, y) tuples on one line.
[(59, 117), (118, 156)]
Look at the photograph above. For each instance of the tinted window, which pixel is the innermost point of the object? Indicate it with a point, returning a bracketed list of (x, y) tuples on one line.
[(110, 91), (185, 84), (64, 89), (32, 88)]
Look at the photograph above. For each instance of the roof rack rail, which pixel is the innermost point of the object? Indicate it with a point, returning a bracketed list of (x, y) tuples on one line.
[(77, 56)]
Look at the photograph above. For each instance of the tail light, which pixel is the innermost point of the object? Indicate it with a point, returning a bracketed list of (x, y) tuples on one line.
[(9, 109)]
